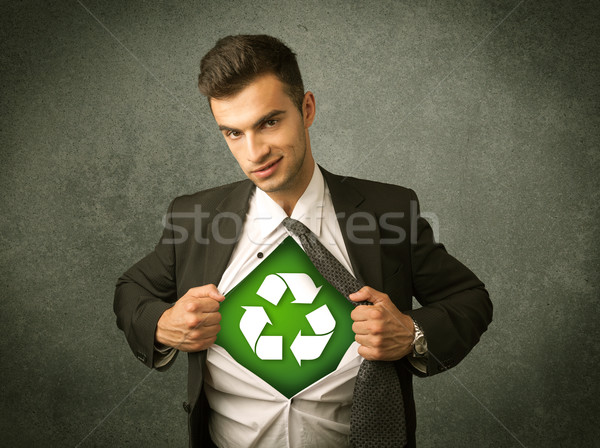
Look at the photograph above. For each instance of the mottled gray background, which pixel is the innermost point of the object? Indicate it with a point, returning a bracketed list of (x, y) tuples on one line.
[(488, 109)]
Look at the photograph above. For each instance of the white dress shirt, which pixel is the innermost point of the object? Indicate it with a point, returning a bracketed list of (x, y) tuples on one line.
[(247, 411)]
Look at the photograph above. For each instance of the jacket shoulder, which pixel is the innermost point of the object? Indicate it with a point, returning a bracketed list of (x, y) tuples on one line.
[(210, 198), (372, 191), (365, 184)]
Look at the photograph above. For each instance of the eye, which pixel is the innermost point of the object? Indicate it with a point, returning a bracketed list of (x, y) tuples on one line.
[(234, 134), (270, 123)]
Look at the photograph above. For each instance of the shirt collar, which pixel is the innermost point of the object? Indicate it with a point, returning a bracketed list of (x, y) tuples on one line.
[(308, 209)]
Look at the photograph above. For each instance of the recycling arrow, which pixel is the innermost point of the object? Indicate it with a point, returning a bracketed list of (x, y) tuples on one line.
[(255, 319), (306, 348), (272, 288), (252, 324), (301, 285), (321, 320)]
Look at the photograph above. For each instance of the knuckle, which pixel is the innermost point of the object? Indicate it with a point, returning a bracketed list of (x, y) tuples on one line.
[(375, 314), (190, 307), (192, 321), (192, 335), (377, 341)]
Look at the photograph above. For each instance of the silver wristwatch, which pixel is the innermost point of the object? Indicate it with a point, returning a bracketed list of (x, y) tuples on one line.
[(419, 343)]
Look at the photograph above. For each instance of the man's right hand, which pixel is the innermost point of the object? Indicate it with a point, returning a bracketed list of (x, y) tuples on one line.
[(192, 324)]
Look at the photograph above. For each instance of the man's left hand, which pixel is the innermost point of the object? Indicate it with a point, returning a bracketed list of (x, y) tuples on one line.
[(383, 332)]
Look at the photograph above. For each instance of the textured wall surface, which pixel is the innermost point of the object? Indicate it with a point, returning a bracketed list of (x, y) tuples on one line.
[(488, 109)]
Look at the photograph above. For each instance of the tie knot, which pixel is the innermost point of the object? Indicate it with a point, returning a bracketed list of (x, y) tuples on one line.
[(296, 227)]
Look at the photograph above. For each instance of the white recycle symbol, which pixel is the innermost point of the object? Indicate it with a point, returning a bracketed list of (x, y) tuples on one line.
[(255, 319)]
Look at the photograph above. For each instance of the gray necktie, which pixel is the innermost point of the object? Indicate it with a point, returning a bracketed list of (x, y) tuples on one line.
[(377, 414)]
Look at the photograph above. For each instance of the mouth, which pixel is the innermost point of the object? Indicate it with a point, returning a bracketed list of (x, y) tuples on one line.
[(267, 169)]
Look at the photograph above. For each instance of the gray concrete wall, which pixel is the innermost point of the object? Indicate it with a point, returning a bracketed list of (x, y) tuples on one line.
[(489, 110)]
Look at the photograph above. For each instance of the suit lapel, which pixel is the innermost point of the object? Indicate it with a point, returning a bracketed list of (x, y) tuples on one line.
[(364, 257), (224, 230)]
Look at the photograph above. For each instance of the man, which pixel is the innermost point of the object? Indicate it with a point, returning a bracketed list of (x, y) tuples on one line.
[(169, 301)]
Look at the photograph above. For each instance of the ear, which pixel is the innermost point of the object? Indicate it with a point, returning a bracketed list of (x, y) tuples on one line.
[(308, 109)]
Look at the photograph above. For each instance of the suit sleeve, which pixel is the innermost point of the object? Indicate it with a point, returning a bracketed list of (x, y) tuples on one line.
[(143, 293), (456, 308)]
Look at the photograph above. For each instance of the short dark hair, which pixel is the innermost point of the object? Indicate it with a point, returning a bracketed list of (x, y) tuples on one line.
[(236, 61)]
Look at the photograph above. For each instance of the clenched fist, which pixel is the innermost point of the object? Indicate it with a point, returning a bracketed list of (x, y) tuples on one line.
[(383, 332), (192, 324)]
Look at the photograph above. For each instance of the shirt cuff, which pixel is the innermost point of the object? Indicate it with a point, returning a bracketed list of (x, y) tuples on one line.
[(418, 363), (162, 355)]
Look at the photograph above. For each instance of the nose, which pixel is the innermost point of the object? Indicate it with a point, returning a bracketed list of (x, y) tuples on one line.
[(258, 149)]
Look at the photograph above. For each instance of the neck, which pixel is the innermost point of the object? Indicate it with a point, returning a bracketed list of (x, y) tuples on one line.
[(288, 199)]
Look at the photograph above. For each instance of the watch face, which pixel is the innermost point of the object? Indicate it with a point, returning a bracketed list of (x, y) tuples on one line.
[(421, 345)]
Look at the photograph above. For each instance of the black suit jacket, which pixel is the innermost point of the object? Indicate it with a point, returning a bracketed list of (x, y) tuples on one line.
[(391, 249)]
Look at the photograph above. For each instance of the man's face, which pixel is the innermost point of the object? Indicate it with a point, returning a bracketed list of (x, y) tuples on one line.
[(266, 133)]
